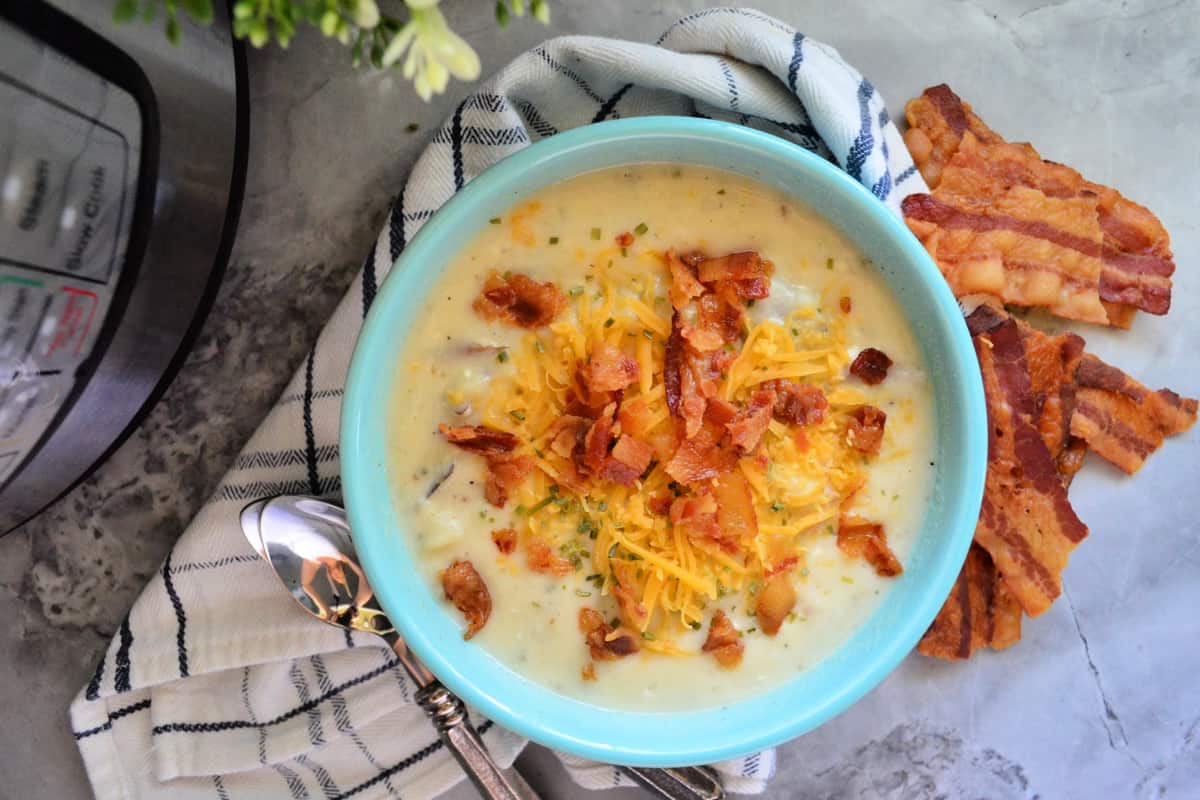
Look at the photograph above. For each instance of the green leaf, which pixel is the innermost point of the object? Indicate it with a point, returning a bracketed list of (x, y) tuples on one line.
[(501, 14), (173, 30), (199, 10), (541, 11), (243, 9), (124, 11), (329, 23)]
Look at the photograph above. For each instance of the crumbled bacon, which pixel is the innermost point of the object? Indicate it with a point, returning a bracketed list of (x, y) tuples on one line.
[(505, 540), (597, 440), (608, 369), (504, 474), (870, 366), (774, 602), (705, 455), (696, 516), (684, 285), (540, 557), (846, 304), (604, 643), (565, 433), (629, 459), (797, 403), (747, 428), (624, 239), (630, 609), (635, 417), (505, 471), (735, 510), (519, 300), (724, 641), (673, 368), (865, 431), (463, 587), (660, 503), (859, 538), (480, 439)]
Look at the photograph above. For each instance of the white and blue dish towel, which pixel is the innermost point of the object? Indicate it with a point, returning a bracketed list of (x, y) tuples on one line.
[(217, 685)]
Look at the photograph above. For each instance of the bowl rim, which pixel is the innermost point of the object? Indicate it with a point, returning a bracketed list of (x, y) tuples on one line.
[(518, 703)]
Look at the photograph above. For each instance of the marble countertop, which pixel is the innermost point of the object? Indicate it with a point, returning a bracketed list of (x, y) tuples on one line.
[(1100, 698)]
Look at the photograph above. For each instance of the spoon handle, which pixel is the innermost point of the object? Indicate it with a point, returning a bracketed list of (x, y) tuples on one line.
[(449, 716), (679, 783)]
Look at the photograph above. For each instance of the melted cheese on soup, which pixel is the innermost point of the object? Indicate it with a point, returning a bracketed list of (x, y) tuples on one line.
[(825, 299)]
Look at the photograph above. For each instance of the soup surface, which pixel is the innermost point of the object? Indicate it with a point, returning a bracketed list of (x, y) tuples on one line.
[(786, 517)]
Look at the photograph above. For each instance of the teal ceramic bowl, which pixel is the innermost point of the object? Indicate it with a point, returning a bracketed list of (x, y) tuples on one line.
[(667, 738)]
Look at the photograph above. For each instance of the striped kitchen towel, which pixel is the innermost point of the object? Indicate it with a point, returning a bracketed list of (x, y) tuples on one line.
[(217, 685)]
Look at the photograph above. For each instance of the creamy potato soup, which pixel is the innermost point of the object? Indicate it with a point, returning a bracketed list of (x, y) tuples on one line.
[(662, 438)]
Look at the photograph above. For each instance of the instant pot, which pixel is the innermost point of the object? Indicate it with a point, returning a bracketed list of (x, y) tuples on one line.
[(122, 162)]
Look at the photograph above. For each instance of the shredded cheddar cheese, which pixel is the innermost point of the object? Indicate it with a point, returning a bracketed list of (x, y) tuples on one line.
[(797, 481)]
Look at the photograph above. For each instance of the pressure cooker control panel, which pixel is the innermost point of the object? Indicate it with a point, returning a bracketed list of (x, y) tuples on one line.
[(70, 142)]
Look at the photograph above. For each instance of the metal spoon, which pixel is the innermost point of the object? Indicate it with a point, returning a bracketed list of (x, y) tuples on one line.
[(308, 543)]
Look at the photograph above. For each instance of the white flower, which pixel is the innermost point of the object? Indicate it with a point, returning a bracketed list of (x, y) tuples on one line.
[(434, 51), (366, 14)]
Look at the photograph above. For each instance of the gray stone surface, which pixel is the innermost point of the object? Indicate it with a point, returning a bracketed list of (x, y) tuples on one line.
[(1099, 699)]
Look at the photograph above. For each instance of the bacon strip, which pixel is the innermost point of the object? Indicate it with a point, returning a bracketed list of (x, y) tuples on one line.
[(971, 168), (980, 611), (1026, 523), (1121, 419), (505, 471), (540, 557)]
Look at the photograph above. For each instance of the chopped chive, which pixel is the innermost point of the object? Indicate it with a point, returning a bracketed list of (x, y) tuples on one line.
[(541, 348), (720, 191), (777, 506), (576, 291), (612, 551), (804, 572), (615, 622), (553, 240), (517, 415), (483, 515), (412, 127), (520, 511), (608, 323), (502, 356), (494, 220), (539, 505), (751, 630), (649, 334), (582, 593), (535, 604), (694, 626), (750, 303), (676, 172), (795, 332), (624, 252), (847, 579), (641, 228), (596, 234), (829, 263), (602, 506), (539, 453), (648, 636)]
